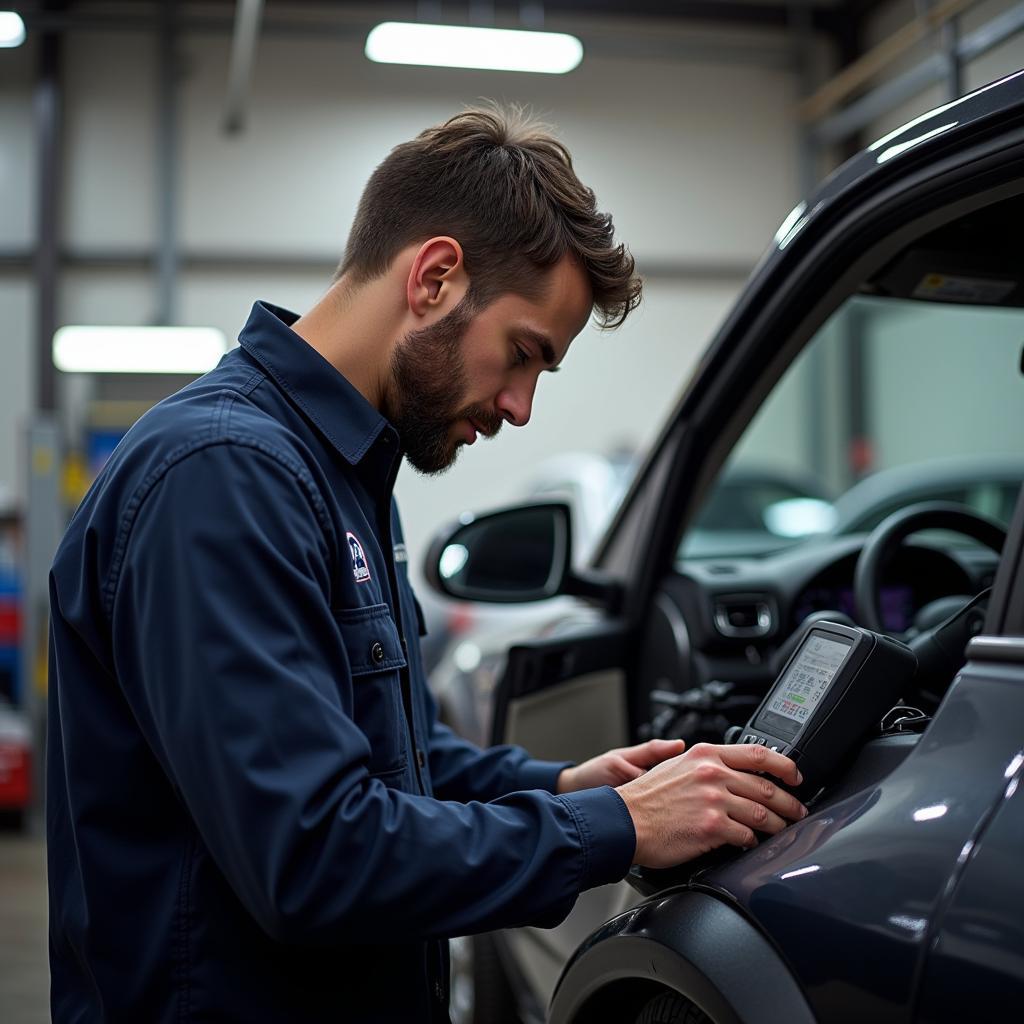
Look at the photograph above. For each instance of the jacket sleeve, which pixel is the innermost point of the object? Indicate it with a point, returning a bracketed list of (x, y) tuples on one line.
[(460, 770), (228, 653)]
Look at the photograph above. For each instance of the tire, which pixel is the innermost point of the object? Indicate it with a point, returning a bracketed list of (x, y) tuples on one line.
[(671, 1008)]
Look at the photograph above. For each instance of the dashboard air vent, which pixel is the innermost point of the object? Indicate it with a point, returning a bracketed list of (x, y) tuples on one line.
[(745, 616)]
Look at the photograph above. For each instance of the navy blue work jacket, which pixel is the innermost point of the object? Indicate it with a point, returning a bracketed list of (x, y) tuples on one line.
[(253, 813)]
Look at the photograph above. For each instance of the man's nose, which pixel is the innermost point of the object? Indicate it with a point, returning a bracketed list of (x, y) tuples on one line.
[(516, 403)]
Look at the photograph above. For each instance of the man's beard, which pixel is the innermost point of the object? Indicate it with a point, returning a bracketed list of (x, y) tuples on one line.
[(428, 380)]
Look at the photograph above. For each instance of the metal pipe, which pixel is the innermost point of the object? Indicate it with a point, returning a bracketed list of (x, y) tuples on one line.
[(227, 261), (248, 16), (954, 70)]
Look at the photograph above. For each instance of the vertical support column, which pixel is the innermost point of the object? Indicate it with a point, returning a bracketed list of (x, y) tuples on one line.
[(44, 524), (815, 451), (807, 149), (951, 50), (861, 456), (167, 258), (848, 456), (48, 118), (43, 517)]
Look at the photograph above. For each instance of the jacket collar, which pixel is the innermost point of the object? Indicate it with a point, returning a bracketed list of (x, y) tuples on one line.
[(334, 406)]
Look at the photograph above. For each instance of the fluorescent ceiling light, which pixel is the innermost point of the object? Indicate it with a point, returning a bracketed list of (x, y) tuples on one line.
[(12, 29), (191, 350), (456, 46)]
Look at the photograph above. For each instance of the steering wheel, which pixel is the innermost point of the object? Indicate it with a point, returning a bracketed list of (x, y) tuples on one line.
[(940, 649), (883, 541)]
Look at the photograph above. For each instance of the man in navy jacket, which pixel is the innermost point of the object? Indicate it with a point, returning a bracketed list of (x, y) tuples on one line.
[(253, 812)]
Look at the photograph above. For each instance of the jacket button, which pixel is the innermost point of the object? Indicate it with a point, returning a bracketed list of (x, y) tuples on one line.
[(377, 653)]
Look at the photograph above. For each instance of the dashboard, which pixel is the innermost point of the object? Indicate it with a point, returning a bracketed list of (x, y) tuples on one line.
[(915, 577), (896, 603), (728, 618)]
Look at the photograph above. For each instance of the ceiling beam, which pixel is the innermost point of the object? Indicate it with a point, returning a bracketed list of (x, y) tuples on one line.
[(825, 15)]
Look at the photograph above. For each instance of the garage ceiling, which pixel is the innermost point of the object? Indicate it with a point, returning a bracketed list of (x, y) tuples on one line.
[(834, 17)]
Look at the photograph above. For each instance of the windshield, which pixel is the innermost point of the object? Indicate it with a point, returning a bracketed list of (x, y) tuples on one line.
[(893, 402)]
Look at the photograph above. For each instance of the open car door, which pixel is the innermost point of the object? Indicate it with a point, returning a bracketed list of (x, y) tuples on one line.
[(564, 699)]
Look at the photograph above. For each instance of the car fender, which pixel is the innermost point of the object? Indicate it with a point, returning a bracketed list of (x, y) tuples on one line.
[(684, 941)]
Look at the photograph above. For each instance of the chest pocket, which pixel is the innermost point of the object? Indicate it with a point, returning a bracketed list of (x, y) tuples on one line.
[(375, 658)]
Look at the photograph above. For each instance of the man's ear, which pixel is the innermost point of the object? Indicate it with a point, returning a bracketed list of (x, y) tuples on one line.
[(437, 278)]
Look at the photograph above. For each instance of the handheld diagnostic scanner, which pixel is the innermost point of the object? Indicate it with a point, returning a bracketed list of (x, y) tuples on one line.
[(836, 686)]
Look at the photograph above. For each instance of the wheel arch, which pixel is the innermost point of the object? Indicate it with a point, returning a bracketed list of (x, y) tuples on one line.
[(688, 942)]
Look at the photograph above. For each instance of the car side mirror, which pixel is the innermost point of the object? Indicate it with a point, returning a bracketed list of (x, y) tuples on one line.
[(514, 555)]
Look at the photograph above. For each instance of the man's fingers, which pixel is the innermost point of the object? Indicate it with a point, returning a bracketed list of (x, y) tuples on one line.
[(752, 757), (754, 815), (764, 791), (740, 835), (647, 755), (627, 769)]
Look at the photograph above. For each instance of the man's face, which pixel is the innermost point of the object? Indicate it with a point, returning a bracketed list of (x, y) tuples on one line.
[(471, 371)]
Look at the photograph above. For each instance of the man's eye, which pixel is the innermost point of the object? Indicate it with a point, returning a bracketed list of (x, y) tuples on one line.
[(520, 357)]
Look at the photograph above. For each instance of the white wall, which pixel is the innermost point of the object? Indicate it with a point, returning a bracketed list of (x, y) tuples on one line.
[(696, 160)]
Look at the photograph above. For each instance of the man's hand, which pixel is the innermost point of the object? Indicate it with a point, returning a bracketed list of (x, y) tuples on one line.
[(706, 798), (618, 766)]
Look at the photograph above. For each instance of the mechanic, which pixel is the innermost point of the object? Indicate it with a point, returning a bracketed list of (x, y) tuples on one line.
[(253, 812)]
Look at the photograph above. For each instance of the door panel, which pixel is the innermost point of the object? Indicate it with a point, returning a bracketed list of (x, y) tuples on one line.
[(565, 699), (572, 721)]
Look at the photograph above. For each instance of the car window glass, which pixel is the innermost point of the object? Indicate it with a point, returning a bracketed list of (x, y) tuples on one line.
[(893, 402)]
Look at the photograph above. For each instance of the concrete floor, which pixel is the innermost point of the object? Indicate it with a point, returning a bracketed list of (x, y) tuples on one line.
[(24, 973)]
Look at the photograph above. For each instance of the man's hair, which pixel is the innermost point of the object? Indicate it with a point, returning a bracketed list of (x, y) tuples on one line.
[(504, 187)]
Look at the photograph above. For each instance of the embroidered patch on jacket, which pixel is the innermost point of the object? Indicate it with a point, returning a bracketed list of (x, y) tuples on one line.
[(360, 570)]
